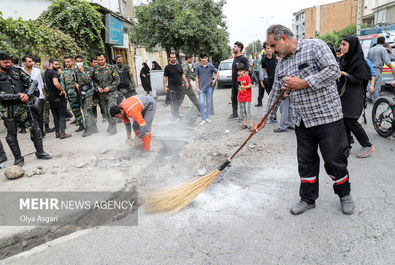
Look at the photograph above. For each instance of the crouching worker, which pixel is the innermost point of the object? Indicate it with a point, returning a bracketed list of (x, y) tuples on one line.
[(142, 110)]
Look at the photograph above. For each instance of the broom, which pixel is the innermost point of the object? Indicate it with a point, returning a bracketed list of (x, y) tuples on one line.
[(174, 199)]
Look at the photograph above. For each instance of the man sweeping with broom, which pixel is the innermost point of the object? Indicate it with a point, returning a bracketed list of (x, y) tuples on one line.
[(142, 110), (309, 70)]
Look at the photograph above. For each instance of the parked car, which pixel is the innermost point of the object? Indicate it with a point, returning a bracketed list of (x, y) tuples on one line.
[(225, 73), (369, 37)]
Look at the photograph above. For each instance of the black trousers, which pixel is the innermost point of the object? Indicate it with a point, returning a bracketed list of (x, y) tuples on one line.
[(235, 93), (268, 85), (58, 108), (261, 93), (352, 125), (177, 96), (40, 116), (332, 140)]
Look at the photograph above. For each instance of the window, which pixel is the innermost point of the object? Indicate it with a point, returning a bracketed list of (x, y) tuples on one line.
[(380, 17)]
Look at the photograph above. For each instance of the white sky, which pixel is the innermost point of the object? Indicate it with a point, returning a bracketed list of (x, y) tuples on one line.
[(248, 20)]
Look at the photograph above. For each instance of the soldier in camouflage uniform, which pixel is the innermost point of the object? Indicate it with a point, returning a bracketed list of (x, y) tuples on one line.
[(106, 80), (69, 82), (84, 85), (17, 88), (127, 86), (188, 70), (93, 63)]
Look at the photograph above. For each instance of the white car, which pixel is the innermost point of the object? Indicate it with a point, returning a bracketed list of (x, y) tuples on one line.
[(225, 73)]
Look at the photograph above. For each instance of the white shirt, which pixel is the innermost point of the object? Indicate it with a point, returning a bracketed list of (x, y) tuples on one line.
[(36, 75)]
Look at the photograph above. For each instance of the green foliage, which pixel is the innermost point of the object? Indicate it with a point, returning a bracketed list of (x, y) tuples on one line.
[(331, 38), (28, 37), (254, 47), (335, 38), (347, 31), (190, 26), (80, 20)]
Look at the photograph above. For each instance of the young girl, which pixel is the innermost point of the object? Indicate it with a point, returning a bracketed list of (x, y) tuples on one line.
[(244, 96)]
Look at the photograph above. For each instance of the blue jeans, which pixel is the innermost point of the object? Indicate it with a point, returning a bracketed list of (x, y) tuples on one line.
[(205, 97)]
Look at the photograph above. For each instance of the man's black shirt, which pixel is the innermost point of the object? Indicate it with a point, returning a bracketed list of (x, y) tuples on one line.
[(174, 75), (239, 59), (270, 65), (53, 92)]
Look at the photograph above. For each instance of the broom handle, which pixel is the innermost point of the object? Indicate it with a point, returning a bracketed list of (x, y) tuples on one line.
[(260, 123)]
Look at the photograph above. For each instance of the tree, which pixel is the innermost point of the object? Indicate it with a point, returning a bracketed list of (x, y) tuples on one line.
[(20, 37), (335, 38), (254, 47), (79, 19), (190, 26), (347, 31), (331, 38)]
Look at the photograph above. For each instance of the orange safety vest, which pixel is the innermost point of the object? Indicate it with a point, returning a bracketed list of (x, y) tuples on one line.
[(133, 107)]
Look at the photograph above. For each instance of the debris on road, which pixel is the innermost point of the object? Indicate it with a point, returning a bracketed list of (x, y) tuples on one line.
[(14, 172), (36, 171)]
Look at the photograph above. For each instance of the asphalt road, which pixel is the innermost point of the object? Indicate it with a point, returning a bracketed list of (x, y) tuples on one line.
[(244, 217)]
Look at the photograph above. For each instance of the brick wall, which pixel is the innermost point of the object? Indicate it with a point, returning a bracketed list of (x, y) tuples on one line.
[(332, 17), (310, 21)]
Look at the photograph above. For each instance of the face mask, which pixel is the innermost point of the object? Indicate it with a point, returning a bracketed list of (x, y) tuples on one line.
[(119, 64), (80, 64)]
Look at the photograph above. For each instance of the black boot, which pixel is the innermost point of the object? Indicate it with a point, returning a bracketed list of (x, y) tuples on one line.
[(19, 160), (38, 144), (47, 129), (88, 131), (11, 138), (3, 156), (81, 127), (68, 114)]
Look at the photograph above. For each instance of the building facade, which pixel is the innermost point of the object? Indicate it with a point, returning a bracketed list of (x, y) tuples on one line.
[(384, 12), (299, 24), (327, 18)]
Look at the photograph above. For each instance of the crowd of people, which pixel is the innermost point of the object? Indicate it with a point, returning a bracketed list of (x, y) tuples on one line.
[(325, 92), (28, 96)]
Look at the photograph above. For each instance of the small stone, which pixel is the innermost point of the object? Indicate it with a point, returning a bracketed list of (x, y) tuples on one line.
[(14, 172), (201, 172), (37, 171)]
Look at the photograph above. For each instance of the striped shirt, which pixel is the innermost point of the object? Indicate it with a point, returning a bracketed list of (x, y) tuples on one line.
[(320, 103)]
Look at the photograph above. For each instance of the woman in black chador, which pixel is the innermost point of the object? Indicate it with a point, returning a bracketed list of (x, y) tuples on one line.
[(145, 78), (355, 75), (155, 66)]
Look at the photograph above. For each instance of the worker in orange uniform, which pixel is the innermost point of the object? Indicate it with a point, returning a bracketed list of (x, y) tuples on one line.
[(142, 110)]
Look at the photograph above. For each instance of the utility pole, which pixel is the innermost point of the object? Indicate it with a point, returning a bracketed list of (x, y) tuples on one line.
[(359, 17)]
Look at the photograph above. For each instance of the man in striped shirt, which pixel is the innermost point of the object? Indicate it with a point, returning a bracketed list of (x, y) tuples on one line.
[(309, 70)]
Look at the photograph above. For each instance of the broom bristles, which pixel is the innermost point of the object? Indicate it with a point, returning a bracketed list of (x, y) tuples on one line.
[(174, 199)]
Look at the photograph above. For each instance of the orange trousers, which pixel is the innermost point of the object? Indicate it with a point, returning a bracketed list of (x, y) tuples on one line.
[(146, 140)]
